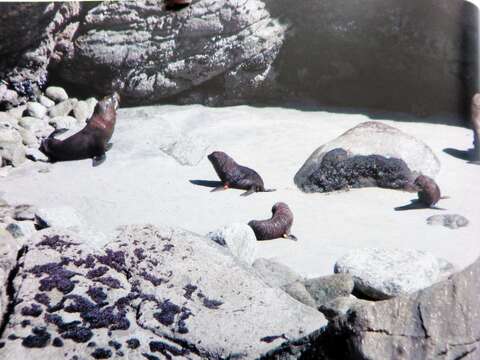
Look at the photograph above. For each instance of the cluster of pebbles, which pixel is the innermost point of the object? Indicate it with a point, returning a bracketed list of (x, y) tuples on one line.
[(22, 128)]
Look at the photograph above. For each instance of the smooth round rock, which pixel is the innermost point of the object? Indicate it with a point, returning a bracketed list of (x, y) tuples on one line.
[(36, 110), (45, 101), (326, 288), (56, 93), (240, 240)]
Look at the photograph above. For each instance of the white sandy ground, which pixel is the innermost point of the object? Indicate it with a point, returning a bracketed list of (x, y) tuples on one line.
[(140, 184)]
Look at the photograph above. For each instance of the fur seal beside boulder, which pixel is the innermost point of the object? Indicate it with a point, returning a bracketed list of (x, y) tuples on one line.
[(236, 176), (277, 226), (428, 191), (90, 142)]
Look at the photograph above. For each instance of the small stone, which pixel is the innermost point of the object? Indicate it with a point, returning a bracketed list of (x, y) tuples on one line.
[(12, 150), (452, 221), (45, 101), (239, 239), (62, 109), (327, 288), (24, 212), (28, 137), (298, 291), (17, 112), (33, 124), (14, 230), (56, 93), (36, 110), (63, 122), (274, 273), (82, 111)]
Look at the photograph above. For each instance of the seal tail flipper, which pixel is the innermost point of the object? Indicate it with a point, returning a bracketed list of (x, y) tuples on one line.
[(436, 208), (269, 190), (290, 237), (248, 192), (98, 160)]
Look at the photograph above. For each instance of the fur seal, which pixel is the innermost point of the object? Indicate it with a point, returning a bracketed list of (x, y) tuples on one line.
[(475, 119), (428, 191), (277, 226), (90, 142), (236, 176)]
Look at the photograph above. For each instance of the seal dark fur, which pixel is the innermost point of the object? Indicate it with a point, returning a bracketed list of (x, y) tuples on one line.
[(428, 191), (277, 226), (339, 171), (90, 142), (236, 176)]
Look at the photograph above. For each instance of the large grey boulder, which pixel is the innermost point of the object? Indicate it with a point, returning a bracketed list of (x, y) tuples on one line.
[(385, 273), (151, 54), (372, 138), (150, 293), (274, 273), (33, 36), (440, 322)]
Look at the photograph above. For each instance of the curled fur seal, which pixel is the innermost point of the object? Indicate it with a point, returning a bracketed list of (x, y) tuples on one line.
[(277, 226), (90, 142), (236, 176)]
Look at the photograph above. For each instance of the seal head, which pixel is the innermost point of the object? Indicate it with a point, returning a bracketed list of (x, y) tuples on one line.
[(428, 191)]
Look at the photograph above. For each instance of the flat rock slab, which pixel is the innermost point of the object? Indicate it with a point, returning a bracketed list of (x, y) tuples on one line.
[(373, 138), (452, 221), (162, 292), (382, 274)]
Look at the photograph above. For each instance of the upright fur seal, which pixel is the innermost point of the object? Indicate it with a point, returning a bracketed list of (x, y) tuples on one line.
[(90, 142), (428, 191), (277, 226), (236, 176), (476, 127)]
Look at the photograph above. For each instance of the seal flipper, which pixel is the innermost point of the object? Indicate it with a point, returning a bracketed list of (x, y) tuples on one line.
[(220, 188), (98, 160), (291, 237), (249, 191), (269, 190)]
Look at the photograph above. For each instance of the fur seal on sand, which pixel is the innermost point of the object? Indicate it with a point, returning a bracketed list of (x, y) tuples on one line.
[(476, 128), (90, 142), (236, 176), (277, 226), (428, 191)]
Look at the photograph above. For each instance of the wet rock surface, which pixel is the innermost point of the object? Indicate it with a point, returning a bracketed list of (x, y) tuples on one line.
[(149, 293)]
